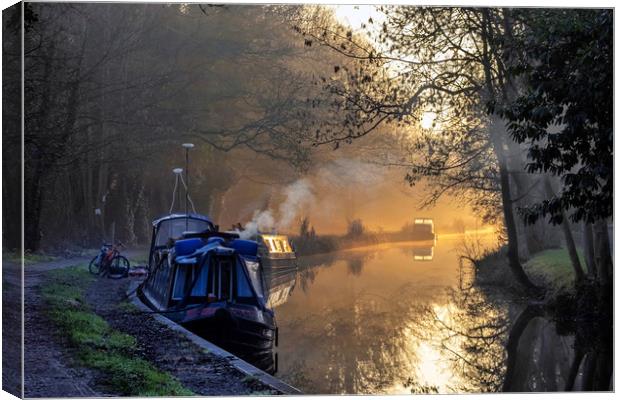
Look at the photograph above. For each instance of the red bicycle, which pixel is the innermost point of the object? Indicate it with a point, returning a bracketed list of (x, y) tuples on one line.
[(109, 262)]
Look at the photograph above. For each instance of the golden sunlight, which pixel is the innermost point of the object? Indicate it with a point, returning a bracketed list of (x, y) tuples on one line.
[(428, 118), (356, 15)]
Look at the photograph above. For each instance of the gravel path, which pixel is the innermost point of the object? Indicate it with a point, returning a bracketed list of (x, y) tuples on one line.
[(48, 369), (48, 361), (11, 328), (204, 374)]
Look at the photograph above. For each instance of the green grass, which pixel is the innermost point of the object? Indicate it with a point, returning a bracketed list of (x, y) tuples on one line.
[(98, 346), (127, 307), (139, 260), (250, 380), (554, 268), (29, 258)]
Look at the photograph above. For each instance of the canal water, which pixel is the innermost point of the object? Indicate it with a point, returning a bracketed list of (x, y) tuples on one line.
[(403, 318)]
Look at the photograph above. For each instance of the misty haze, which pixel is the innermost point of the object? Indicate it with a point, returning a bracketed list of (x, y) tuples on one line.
[(225, 199)]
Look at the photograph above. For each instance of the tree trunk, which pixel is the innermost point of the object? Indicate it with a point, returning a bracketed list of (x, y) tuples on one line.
[(32, 209), (36, 162), (498, 140), (588, 246), (568, 237), (509, 221), (572, 250), (536, 237), (603, 256)]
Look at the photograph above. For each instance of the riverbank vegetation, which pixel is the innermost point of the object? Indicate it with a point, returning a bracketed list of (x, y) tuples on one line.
[(308, 242), (28, 257), (576, 308), (96, 345), (550, 269), (553, 269)]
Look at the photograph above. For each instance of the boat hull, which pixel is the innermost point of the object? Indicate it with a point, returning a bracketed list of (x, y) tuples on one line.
[(250, 340)]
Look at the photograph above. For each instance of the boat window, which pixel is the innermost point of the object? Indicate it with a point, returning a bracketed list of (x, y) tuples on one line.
[(215, 279), (253, 268), (283, 245), (225, 280), (174, 228), (243, 285), (159, 281), (221, 282), (200, 287), (182, 280)]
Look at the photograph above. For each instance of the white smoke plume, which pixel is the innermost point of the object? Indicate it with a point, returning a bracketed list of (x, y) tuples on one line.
[(297, 196), (262, 221)]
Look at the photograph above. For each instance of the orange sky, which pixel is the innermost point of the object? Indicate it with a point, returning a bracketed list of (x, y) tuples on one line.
[(381, 201)]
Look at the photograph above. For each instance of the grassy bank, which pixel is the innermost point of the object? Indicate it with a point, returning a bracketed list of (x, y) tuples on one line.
[(554, 270), (29, 258), (96, 344), (550, 269)]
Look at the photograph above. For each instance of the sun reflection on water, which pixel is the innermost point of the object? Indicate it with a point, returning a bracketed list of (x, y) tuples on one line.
[(379, 323)]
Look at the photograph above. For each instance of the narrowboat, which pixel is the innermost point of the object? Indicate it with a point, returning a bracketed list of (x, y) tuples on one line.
[(423, 229), (275, 250), (211, 283)]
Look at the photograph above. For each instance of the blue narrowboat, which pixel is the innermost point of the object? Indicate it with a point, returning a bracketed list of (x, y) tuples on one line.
[(211, 282)]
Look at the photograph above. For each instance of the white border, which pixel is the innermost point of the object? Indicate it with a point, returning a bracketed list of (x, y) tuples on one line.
[(496, 3)]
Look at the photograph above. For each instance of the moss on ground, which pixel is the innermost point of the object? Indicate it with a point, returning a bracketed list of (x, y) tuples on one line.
[(127, 307), (29, 258), (97, 345), (553, 268)]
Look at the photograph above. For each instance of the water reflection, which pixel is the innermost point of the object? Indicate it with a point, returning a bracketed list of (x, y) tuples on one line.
[(366, 322), (423, 253), (279, 284), (544, 354), (538, 358)]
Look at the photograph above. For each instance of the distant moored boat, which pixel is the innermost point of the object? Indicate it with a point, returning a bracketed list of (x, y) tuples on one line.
[(423, 229)]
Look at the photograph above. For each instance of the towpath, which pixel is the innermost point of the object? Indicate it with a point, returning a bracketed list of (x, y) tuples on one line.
[(50, 369)]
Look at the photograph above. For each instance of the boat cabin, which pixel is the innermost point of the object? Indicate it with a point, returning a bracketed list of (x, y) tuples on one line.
[(173, 226), (200, 266), (275, 247), (424, 225)]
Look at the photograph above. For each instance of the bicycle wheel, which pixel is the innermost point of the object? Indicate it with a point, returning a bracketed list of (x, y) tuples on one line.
[(119, 267), (95, 266)]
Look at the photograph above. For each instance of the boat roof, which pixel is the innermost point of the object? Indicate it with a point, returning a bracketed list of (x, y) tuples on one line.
[(182, 215)]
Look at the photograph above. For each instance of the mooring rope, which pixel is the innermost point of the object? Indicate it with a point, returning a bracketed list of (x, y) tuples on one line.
[(176, 184), (188, 196)]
